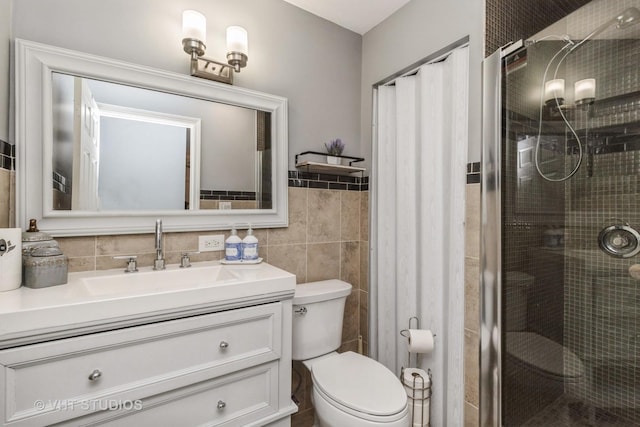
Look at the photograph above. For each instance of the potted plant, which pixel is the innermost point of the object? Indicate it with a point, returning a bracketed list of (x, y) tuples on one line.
[(334, 148)]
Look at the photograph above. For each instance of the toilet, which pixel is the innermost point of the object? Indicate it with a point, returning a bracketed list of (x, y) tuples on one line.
[(533, 358), (349, 389)]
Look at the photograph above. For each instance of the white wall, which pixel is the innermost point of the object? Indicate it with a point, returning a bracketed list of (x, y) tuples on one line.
[(292, 53), (415, 31)]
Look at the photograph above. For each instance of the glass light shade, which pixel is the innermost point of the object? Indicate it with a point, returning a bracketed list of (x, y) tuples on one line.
[(585, 90), (194, 25), (554, 89), (237, 40)]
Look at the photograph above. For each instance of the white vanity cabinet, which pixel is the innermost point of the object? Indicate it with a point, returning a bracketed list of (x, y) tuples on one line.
[(229, 366)]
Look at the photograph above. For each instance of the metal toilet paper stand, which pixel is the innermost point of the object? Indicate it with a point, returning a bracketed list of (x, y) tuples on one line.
[(417, 384)]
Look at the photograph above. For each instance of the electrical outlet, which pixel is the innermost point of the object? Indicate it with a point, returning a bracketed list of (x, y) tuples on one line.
[(211, 243)]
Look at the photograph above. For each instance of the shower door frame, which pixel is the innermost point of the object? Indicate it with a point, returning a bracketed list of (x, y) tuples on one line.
[(491, 239)]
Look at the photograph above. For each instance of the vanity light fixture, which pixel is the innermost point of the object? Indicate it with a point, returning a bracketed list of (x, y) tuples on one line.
[(194, 33)]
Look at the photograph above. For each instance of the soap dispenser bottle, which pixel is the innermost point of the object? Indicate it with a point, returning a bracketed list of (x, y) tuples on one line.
[(250, 246), (233, 247)]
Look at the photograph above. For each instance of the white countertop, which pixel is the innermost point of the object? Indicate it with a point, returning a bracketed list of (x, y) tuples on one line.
[(103, 300)]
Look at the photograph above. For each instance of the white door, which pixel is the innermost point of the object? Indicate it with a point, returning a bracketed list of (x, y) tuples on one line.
[(86, 148)]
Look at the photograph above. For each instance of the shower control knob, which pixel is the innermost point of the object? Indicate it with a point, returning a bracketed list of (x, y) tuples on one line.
[(619, 241), (634, 271)]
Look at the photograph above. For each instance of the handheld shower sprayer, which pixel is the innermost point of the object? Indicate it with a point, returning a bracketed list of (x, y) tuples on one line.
[(624, 19)]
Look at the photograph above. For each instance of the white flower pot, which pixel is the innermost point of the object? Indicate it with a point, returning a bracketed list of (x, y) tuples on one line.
[(333, 160)]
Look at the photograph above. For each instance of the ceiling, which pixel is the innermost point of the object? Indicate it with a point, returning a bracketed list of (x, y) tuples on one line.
[(356, 15)]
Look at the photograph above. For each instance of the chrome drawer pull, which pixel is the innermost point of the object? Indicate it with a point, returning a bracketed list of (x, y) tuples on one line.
[(221, 404), (224, 344), (95, 375)]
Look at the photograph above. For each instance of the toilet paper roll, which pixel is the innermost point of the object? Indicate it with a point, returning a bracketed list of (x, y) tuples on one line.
[(416, 379), (420, 341), (417, 385), (10, 258)]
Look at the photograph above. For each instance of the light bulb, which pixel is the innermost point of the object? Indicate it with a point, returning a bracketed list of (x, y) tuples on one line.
[(554, 89), (194, 25), (237, 40), (585, 91)]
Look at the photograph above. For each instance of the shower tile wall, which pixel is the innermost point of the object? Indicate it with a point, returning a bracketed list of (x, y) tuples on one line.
[(597, 310), (603, 319), (508, 20)]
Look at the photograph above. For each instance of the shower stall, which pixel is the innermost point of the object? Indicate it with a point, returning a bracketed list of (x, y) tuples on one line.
[(560, 267)]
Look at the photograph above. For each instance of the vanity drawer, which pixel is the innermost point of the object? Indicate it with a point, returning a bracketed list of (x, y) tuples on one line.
[(134, 363), (236, 399)]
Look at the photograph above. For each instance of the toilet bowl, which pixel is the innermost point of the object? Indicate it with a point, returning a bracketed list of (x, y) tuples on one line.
[(353, 390), (348, 389), (543, 357)]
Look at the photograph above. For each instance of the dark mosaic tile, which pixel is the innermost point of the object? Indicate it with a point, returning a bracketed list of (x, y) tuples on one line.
[(299, 183), (337, 186), (473, 178), (319, 184)]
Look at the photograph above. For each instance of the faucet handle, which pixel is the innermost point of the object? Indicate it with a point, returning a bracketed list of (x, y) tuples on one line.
[(185, 262), (132, 262)]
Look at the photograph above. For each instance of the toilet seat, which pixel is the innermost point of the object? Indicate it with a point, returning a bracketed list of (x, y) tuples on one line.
[(544, 356), (360, 386)]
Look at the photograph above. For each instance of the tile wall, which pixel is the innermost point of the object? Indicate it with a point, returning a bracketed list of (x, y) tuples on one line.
[(472, 298), (7, 184)]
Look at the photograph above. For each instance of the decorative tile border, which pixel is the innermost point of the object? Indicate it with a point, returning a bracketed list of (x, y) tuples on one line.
[(473, 173), (7, 155), (327, 181), (60, 183), (227, 195)]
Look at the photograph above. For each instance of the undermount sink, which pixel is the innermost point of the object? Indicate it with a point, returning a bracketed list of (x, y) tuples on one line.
[(159, 281)]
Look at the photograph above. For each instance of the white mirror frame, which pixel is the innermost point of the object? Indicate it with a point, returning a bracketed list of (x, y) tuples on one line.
[(35, 62)]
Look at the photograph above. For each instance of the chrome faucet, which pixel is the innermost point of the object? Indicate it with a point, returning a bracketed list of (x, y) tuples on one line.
[(158, 263)]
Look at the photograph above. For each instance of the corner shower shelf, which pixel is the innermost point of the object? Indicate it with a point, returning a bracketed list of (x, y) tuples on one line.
[(320, 167)]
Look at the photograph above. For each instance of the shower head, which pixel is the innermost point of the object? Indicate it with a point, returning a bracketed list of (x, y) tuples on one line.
[(624, 19), (628, 17)]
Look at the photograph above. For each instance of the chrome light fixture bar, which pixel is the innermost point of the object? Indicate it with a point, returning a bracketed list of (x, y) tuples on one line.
[(194, 32)]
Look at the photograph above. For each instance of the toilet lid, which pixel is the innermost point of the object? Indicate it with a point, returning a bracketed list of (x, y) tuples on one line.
[(360, 383), (544, 354)]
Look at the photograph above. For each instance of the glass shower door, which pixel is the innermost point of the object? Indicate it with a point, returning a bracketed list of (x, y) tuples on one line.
[(570, 174)]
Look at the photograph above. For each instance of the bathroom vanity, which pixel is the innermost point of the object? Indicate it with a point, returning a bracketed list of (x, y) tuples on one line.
[(206, 345)]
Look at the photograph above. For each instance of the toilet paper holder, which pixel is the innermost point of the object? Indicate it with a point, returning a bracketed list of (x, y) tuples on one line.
[(405, 334), (420, 396)]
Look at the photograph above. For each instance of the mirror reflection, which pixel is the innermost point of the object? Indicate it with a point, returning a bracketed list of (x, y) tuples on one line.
[(122, 148)]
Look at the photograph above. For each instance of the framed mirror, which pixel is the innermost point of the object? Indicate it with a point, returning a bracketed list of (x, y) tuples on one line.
[(107, 147)]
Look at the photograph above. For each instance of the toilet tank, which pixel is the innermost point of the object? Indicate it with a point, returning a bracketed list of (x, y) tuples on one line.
[(318, 309)]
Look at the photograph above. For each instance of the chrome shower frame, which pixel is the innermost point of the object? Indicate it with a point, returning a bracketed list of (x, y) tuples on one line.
[(491, 239)]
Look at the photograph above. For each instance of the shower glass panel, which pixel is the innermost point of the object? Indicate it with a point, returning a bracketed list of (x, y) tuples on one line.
[(570, 174)]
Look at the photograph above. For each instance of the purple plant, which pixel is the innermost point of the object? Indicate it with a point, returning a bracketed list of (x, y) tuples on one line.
[(335, 147)]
